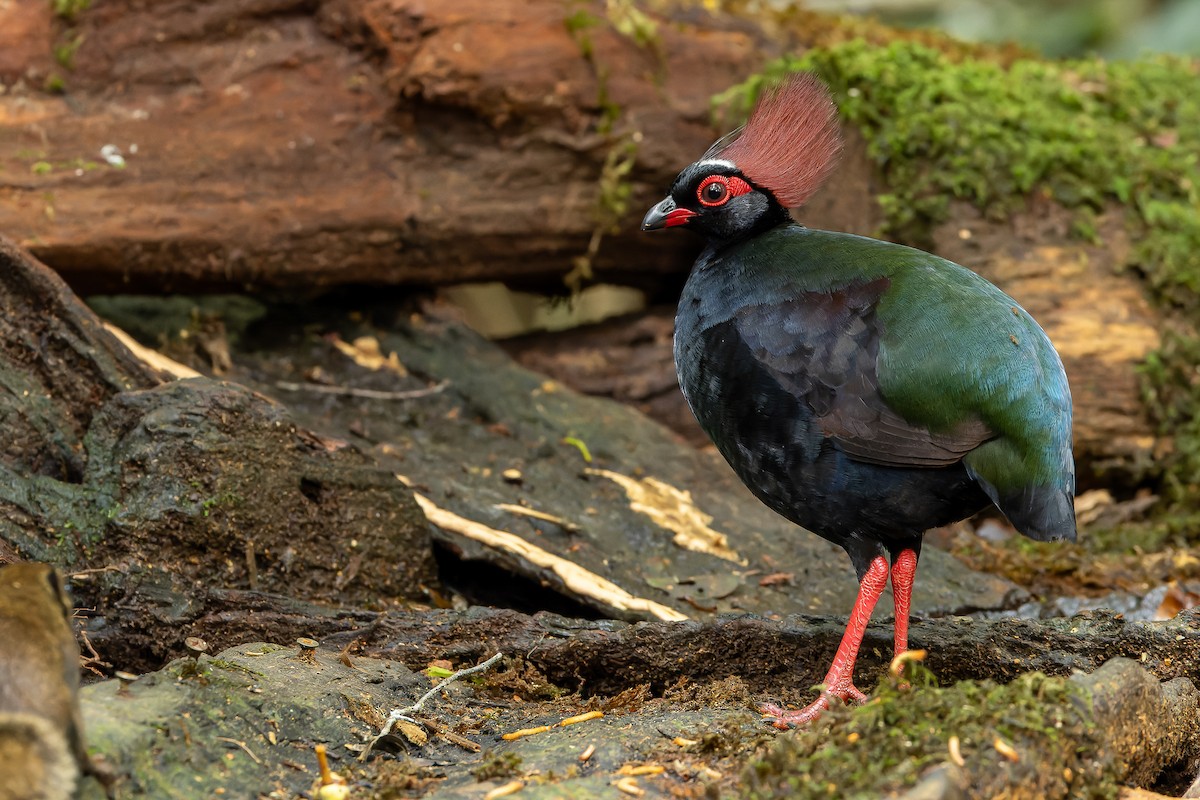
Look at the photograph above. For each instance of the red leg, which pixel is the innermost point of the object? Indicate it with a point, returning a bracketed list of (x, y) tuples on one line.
[(839, 681), (903, 571)]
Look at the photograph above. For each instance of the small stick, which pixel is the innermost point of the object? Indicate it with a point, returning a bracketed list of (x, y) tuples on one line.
[(512, 787), (370, 394), (403, 713), (450, 735), (522, 511), (242, 745)]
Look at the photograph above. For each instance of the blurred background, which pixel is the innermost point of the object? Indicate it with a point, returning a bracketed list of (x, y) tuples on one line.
[(1054, 28)]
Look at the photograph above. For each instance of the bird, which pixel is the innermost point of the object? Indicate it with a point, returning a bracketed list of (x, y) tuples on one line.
[(41, 746), (864, 390)]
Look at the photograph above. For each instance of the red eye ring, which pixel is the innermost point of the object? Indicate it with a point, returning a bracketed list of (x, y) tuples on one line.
[(713, 191), (717, 190)]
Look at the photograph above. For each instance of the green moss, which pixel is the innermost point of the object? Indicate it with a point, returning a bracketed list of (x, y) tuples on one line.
[(891, 742), (497, 765), (69, 9), (1171, 393), (64, 51)]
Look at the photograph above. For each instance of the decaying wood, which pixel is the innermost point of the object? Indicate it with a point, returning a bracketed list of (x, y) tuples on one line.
[(59, 366), (299, 145), (606, 657), (145, 490)]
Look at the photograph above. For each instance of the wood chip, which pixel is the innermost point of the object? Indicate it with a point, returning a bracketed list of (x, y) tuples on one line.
[(1005, 749), (512, 787), (450, 736), (582, 717), (152, 357), (643, 769), (955, 748), (525, 732), (777, 578), (673, 509), (630, 786), (412, 733)]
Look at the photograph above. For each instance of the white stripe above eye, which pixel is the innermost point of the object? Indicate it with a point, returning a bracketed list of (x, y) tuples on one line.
[(716, 162)]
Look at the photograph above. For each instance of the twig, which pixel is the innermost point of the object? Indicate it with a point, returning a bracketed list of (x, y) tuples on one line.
[(450, 735), (242, 745), (569, 527), (85, 572), (92, 660), (370, 394), (403, 713)]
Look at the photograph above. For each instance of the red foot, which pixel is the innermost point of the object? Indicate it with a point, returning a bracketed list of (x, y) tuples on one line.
[(783, 719), (839, 681)]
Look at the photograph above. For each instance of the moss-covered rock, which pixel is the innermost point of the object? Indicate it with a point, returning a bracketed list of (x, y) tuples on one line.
[(1037, 737)]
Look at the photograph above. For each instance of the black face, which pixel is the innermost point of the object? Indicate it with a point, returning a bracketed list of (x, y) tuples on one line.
[(713, 198)]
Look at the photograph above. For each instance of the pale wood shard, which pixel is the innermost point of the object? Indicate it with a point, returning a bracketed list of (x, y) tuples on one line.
[(574, 577), (151, 358), (674, 510)]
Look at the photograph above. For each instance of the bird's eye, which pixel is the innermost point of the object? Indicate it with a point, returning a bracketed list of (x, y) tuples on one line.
[(713, 191)]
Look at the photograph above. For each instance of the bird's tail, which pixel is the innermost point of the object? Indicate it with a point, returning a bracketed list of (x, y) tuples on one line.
[(1044, 513)]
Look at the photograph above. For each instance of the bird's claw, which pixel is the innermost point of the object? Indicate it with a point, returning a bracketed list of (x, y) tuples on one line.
[(783, 719)]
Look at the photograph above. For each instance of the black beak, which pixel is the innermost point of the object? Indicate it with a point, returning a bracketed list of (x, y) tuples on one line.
[(666, 215), (656, 217)]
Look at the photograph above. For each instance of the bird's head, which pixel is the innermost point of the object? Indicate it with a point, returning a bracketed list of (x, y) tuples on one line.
[(748, 179)]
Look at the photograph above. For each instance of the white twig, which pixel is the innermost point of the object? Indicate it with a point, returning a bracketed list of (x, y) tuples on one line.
[(371, 394), (403, 713)]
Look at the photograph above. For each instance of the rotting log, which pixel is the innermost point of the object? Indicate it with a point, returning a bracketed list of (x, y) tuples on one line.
[(58, 367), (147, 492), (604, 657)]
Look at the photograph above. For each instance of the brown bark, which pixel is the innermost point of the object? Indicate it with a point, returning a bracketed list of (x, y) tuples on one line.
[(297, 145), (58, 365)]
